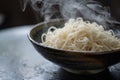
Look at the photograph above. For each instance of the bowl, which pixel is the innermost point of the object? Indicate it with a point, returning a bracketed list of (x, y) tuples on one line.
[(76, 62)]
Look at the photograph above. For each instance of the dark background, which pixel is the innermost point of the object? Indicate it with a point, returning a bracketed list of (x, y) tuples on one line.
[(12, 15)]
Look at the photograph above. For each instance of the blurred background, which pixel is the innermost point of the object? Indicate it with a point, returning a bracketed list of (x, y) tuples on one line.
[(11, 13)]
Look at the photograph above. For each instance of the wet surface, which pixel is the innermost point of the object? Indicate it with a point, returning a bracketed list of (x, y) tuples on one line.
[(20, 61)]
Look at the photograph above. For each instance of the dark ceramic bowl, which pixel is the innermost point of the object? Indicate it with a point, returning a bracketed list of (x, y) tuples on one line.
[(75, 62)]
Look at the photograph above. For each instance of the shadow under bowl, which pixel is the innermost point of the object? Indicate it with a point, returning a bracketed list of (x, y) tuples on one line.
[(76, 62)]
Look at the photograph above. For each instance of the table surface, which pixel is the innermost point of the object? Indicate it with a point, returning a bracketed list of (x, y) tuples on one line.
[(20, 61)]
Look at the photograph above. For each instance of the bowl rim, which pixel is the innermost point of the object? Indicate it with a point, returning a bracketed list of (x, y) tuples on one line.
[(60, 50)]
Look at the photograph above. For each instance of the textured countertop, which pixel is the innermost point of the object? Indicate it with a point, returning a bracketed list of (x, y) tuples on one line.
[(20, 61)]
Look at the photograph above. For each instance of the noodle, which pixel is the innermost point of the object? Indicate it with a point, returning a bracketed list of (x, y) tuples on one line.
[(79, 35)]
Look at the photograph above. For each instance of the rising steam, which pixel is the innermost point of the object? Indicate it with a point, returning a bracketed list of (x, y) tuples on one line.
[(87, 9)]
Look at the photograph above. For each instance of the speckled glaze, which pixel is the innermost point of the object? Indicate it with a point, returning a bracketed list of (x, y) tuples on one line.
[(75, 62)]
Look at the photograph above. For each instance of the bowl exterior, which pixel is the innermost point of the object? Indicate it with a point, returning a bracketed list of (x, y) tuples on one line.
[(76, 62)]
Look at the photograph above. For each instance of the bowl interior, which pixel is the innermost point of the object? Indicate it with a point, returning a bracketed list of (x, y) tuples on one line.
[(41, 28)]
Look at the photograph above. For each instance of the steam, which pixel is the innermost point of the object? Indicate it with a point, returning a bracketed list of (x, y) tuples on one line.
[(87, 9), (23, 4)]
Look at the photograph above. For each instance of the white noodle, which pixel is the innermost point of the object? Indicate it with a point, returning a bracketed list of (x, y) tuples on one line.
[(79, 35)]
